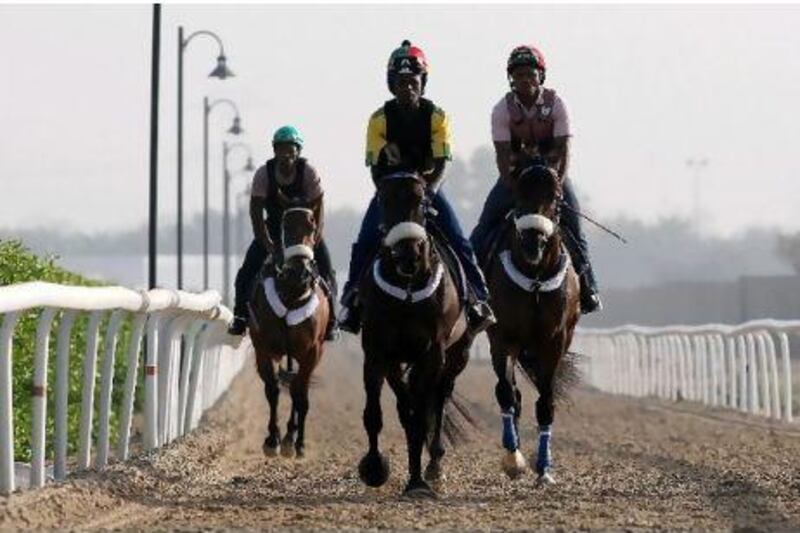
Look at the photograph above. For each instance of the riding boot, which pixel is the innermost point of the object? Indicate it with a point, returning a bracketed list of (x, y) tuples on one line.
[(479, 313), (350, 314), (325, 269), (578, 248), (253, 260)]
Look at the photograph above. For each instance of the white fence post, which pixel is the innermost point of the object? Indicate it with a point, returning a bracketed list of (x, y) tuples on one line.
[(126, 414), (62, 393), (87, 404), (106, 386), (719, 365), (6, 413), (39, 394)]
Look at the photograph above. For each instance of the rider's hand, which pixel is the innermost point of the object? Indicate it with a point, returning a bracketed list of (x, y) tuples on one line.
[(392, 153)]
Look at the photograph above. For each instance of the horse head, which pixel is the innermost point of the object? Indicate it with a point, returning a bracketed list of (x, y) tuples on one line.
[(537, 196), (296, 273), (402, 200)]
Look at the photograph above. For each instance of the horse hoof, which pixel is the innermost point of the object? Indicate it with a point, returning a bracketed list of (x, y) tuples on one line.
[(545, 479), (433, 473), (374, 469), (419, 491), (300, 452), (514, 464), (270, 451), (287, 450)]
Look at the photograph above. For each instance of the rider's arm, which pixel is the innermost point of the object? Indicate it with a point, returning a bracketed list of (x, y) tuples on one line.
[(257, 205), (558, 153), (503, 154), (441, 149), (558, 156), (318, 206), (501, 136)]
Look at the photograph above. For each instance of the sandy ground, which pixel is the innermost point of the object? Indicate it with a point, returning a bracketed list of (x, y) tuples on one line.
[(619, 464)]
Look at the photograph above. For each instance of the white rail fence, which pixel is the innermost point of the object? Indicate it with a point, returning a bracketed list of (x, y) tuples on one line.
[(176, 389), (745, 367)]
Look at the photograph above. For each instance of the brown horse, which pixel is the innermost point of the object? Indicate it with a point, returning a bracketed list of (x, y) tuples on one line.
[(414, 335), (288, 316), (535, 296)]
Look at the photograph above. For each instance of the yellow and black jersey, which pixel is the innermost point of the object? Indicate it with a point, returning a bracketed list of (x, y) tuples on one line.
[(420, 137)]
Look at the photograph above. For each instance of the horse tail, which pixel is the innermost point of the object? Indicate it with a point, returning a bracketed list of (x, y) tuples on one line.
[(567, 376), (457, 423)]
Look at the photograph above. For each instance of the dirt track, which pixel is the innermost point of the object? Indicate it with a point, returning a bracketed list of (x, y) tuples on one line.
[(620, 464)]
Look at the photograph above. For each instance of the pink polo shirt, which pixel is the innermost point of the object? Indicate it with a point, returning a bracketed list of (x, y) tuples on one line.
[(501, 119)]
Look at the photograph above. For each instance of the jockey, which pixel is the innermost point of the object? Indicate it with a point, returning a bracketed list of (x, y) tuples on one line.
[(286, 180), (529, 122), (410, 133)]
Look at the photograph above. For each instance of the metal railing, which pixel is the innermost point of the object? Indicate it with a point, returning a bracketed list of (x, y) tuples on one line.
[(187, 366), (745, 367)]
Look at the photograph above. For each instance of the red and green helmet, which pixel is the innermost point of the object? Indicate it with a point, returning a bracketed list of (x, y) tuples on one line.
[(407, 59), (526, 55)]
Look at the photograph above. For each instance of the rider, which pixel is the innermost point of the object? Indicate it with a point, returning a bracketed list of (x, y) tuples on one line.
[(410, 133), (286, 180), (530, 122)]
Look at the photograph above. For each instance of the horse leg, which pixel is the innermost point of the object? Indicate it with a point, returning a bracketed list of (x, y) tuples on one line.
[(456, 362), (395, 379), (374, 467), (423, 379), (300, 401), (266, 369), (544, 371), (509, 399), (287, 444)]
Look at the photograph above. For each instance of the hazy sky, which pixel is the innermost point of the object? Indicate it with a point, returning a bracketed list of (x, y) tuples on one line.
[(647, 88)]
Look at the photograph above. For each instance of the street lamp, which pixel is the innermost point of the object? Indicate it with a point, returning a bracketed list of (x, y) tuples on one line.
[(226, 273), (222, 72), (235, 129)]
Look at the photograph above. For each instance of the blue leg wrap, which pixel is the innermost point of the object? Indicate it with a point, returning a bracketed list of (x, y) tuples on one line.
[(510, 438), (544, 460)]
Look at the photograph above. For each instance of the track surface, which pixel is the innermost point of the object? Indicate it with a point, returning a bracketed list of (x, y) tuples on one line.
[(620, 464)]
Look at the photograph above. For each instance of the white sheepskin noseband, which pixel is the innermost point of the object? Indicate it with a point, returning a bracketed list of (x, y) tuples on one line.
[(404, 230), (536, 222), (298, 250)]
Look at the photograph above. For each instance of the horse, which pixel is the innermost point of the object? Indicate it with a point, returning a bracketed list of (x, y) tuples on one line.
[(288, 316), (414, 336), (534, 292)]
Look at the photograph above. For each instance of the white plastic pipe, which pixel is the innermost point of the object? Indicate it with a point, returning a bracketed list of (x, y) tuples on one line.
[(787, 376), (39, 396), (87, 403), (62, 393), (772, 361), (106, 386), (126, 411), (744, 401), (6, 419), (763, 369), (731, 355), (752, 374), (151, 384)]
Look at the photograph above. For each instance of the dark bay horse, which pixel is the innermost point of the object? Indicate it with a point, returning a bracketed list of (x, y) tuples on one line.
[(414, 335), (535, 296), (288, 316)]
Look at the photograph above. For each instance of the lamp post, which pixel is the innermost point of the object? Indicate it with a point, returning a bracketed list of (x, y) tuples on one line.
[(235, 129), (222, 72), (155, 71), (226, 273)]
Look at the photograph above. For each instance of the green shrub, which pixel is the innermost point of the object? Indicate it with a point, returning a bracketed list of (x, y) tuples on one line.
[(19, 265)]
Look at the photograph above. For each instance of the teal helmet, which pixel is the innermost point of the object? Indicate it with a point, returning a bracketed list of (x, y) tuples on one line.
[(288, 134)]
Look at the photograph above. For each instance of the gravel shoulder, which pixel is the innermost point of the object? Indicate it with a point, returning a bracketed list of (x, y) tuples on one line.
[(620, 464)]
